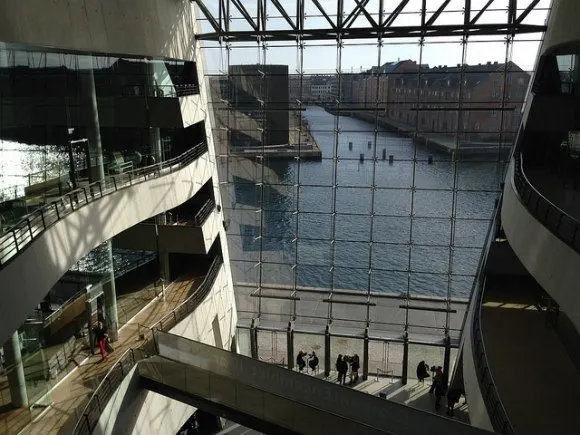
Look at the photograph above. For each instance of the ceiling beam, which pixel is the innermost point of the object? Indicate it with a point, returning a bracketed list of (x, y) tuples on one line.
[(483, 9), (281, 9), (393, 15), (433, 17), (527, 11)]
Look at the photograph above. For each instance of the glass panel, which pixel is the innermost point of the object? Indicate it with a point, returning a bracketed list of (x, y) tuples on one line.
[(272, 347)]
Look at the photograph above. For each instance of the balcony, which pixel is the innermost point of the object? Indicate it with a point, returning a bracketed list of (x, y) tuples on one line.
[(38, 250), (542, 225), (180, 234)]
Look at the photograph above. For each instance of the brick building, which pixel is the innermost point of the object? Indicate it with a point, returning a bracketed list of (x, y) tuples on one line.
[(429, 99)]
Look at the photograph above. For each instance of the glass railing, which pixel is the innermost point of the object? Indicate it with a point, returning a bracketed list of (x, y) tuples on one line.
[(92, 412), (16, 238), (560, 223)]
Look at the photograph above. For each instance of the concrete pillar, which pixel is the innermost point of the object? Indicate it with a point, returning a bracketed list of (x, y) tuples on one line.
[(290, 345), (404, 374), (95, 147), (16, 378), (97, 172), (447, 359), (365, 367), (254, 339), (162, 257), (327, 361), (110, 295)]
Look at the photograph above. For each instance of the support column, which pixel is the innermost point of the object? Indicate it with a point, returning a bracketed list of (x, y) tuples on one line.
[(110, 294), (16, 378), (97, 172), (254, 339), (447, 359), (365, 367), (404, 373), (93, 128), (290, 345), (327, 362), (162, 257)]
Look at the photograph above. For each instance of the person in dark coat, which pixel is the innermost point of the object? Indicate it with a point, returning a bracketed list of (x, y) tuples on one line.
[(341, 368), (354, 366), (452, 398), (422, 372), (313, 362), (300, 361), (101, 338), (437, 379)]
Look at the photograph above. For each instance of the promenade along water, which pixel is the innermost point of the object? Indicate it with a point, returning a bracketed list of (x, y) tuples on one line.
[(418, 210)]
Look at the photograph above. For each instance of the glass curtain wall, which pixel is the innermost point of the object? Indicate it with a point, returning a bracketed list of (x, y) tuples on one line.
[(46, 146), (359, 176)]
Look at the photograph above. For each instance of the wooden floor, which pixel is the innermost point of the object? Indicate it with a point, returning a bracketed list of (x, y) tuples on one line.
[(69, 398)]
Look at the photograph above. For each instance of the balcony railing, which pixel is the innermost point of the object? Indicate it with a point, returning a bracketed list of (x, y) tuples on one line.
[(560, 223), (98, 401), (495, 409), (204, 212), (142, 90), (16, 238), (192, 302), (105, 390)]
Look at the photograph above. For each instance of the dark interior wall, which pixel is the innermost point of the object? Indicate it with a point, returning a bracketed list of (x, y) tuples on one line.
[(183, 139)]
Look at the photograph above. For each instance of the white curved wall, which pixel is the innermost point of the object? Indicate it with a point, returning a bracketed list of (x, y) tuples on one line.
[(28, 277), (161, 28), (552, 263), (562, 24)]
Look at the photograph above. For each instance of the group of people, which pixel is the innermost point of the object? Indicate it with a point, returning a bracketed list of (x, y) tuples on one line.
[(342, 366), (439, 386), (312, 361)]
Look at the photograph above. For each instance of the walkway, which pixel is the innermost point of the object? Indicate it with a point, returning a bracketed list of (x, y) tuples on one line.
[(70, 396), (536, 380)]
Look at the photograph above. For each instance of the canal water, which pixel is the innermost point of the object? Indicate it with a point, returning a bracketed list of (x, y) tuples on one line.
[(420, 209), (417, 211)]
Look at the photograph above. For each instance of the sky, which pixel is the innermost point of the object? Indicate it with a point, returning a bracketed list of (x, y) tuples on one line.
[(321, 56)]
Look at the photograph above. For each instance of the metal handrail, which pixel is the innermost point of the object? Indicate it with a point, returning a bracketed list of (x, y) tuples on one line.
[(100, 397), (16, 238), (192, 302), (204, 212), (498, 415), (147, 90), (49, 319), (561, 224), (98, 401)]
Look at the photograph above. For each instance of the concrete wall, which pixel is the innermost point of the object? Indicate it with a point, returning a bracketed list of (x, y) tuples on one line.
[(36, 269), (550, 261), (562, 24), (160, 28), (135, 411)]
